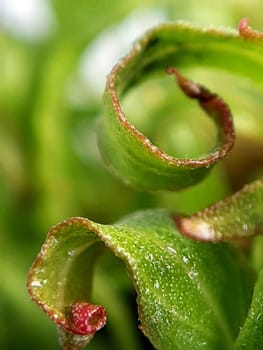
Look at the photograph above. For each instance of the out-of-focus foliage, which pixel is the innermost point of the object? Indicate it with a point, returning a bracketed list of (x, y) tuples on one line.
[(50, 167)]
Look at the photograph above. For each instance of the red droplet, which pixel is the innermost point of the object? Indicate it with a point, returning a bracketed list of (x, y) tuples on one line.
[(87, 318)]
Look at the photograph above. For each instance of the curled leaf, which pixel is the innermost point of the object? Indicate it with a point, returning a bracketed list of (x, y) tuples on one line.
[(129, 153), (146, 166), (184, 287), (191, 295), (60, 283)]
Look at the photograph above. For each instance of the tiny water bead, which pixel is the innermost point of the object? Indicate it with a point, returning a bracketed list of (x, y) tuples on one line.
[(87, 318)]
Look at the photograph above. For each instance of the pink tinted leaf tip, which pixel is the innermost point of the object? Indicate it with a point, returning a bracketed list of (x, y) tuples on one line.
[(87, 318), (247, 32), (243, 25)]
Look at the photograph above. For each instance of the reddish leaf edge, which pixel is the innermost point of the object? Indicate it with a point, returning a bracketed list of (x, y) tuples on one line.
[(212, 104), (215, 107), (247, 32), (81, 319)]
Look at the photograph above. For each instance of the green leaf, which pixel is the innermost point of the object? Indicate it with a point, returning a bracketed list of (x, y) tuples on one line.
[(251, 335), (237, 216), (129, 153), (191, 295)]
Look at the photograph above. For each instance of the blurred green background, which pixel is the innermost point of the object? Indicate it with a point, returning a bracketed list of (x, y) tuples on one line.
[(54, 57)]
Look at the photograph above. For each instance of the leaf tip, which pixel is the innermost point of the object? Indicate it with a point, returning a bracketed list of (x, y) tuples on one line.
[(189, 87), (247, 32), (214, 106), (243, 25), (87, 318), (195, 228)]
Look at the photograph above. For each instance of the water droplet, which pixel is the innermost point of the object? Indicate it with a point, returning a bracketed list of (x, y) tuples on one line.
[(156, 284), (245, 227), (71, 253), (258, 317), (38, 283), (204, 343), (185, 260), (192, 274), (150, 257), (171, 250)]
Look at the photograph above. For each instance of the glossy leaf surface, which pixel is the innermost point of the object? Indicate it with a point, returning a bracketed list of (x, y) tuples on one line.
[(190, 294)]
